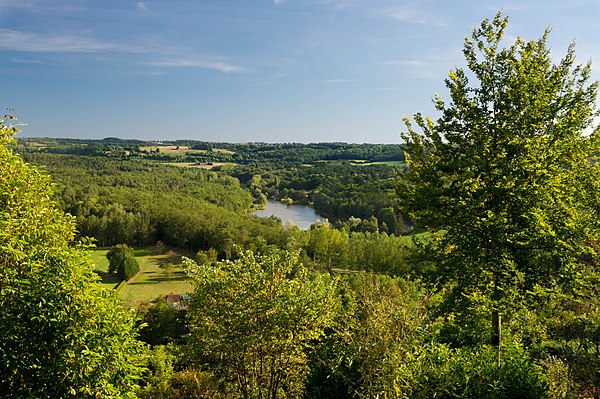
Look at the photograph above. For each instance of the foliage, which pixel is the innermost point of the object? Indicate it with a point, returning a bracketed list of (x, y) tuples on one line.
[(381, 325), (163, 381), (161, 323), (507, 172), (328, 245), (563, 330), (62, 335), (441, 372), (252, 319), (122, 261)]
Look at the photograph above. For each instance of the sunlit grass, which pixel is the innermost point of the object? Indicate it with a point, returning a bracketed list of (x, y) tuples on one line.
[(152, 281)]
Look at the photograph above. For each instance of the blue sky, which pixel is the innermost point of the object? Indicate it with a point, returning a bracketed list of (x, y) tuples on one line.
[(251, 70)]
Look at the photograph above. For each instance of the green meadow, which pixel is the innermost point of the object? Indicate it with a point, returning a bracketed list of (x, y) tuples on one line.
[(152, 281)]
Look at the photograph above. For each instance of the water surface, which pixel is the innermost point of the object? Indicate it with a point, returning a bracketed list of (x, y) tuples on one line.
[(300, 215)]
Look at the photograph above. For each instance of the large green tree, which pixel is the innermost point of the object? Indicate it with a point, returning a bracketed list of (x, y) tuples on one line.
[(507, 174), (62, 334), (122, 261), (253, 320)]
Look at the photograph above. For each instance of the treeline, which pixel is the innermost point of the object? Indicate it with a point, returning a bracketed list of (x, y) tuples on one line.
[(326, 176), (213, 151)]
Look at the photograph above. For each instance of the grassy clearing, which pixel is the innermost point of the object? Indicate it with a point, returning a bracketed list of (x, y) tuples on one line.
[(199, 165), (152, 281), (108, 281), (388, 163), (172, 149), (180, 150)]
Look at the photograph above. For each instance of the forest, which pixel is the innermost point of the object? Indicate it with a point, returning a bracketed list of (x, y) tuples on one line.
[(462, 263)]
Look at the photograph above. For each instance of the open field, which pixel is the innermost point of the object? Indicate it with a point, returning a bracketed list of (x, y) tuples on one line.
[(389, 163), (199, 165), (108, 281), (180, 150), (152, 281)]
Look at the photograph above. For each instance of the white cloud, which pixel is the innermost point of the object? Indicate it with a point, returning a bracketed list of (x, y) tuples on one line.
[(410, 13), (13, 40), (142, 6), (337, 81), (31, 42), (197, 63)]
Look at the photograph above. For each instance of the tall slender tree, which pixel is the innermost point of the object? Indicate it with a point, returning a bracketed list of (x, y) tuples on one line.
[(507, 174)]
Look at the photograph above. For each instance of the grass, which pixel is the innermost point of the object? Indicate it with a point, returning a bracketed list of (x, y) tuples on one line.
[(152, 281), (199, 165), (388, 163), (172, 149), (180, 150), (108, 281)]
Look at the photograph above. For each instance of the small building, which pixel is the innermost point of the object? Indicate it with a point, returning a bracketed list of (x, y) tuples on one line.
[(179, 301)]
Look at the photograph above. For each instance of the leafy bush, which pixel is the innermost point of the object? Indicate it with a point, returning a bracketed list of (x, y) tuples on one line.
[(443, 372)]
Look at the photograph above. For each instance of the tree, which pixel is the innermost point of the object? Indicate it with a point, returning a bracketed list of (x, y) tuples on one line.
[(382, 325), (62, 334), (327, 245), (122, 261), (252, 320), (507, 174), (161, 323)]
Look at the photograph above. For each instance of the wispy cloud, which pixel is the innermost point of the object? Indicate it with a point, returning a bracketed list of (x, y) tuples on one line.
[(142, 6), (38, 6), (166, 57), (403, 13), (337, 81), (197, 62), (432, 65), (14, 40), (409, 13), (410, 63), (29, 61)]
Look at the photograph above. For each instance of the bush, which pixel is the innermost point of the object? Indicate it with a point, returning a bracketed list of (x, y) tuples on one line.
[(474, 373)]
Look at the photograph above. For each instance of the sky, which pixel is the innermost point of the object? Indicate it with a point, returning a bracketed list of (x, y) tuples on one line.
[(252, 70)]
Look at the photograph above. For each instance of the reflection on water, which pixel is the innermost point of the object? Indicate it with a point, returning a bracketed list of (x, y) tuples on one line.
[(301, 215)]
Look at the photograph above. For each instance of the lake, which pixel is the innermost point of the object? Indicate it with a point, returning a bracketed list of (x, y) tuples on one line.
[(301, 215)]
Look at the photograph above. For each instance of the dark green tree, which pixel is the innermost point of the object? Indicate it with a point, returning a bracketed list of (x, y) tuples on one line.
[(122, 261), (63, 335), (162, 323), (507, 176)]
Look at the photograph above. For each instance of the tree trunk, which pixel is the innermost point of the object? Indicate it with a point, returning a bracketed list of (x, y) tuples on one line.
[(496, 331)]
